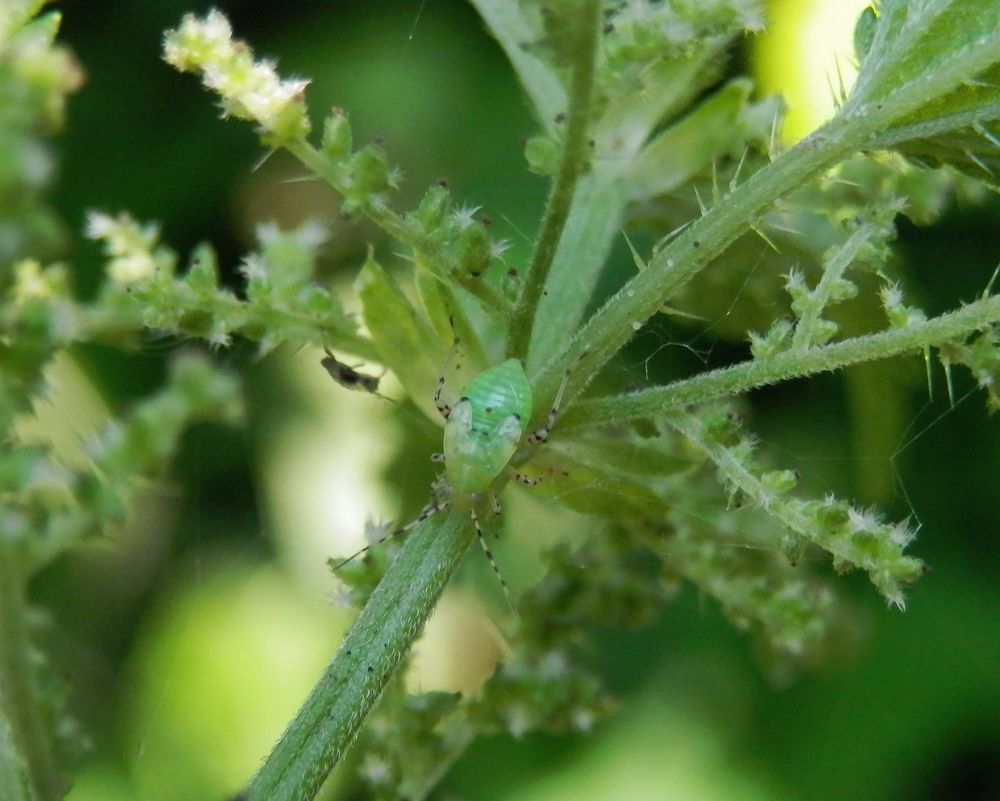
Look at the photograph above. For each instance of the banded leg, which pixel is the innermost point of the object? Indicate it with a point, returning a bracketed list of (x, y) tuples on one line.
[(528, 481), (428, 511), (492, 561), (443, 408), (542, 433)]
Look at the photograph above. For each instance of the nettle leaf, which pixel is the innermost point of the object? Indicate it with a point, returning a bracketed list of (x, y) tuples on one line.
[(864, 33), (406, 343), (676, 155), (515, 32), (929, 84)]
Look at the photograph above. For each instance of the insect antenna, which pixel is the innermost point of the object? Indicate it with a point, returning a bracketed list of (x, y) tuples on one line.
[(493, 564), (428, 511)]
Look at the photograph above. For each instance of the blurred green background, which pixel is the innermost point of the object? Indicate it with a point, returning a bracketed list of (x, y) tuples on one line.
[(191, 637)]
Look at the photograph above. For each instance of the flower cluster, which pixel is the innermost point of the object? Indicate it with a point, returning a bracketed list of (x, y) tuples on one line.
[(134, 254), (249, 89), (49, 507), (854, 538), (282, 301)]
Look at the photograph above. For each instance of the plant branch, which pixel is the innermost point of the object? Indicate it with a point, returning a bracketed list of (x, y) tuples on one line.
[(18, 690), (702, 241), (492, 301), (740, 378), (371, 651), (102, 322), (575, 157)]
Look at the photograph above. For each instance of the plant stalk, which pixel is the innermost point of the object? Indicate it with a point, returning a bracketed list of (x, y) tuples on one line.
[(680, 261), (740, 378), (492, 301), (18, 690), (332, 715), (575, 158)]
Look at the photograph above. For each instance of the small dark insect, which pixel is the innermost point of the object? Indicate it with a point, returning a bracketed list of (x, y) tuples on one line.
[(348, 377)]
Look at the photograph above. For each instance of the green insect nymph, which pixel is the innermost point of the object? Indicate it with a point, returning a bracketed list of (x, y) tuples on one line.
[(485, 427), (481, 433)]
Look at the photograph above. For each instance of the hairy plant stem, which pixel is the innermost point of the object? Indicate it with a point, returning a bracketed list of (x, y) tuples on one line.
[(575, 157), (13, 771), (371, 651), (99, 323), (492, 301), (740, 378), (18, 691), (703, 240), (584, 247), (833, 273)]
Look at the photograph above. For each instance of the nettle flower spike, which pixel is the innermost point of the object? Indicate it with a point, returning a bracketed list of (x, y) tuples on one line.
[(250, 90), (133, 248)]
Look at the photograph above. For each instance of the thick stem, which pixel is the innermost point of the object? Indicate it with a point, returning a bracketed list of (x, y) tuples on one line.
[(13, 770), (575, 157), (706, 238), (395, 613), (18, 690), (741, 378)]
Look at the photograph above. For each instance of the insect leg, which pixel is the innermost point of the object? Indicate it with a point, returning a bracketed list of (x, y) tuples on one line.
[(443, 408), (428, 511), (495, 504), (492, 561), (542, 433), (530, 481), (437, 457)]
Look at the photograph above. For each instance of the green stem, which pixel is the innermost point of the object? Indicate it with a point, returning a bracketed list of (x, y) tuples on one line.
[(385, 218), (833, 272), (594, 222), (14, 784), (18, 690), (575, 158), (372, 650), (701, 242), (103, 322), (740, 378)]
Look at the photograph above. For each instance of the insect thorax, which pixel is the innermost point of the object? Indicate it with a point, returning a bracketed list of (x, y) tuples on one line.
[(485, 427)]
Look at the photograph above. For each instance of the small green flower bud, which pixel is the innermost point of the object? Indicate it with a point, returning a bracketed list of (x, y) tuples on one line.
[(776, 340), (842, 289), (779, 481), (203, 275), (542, 154), (370, 176), (471, 250), (337, 138), (433, 208), (721, 428)]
